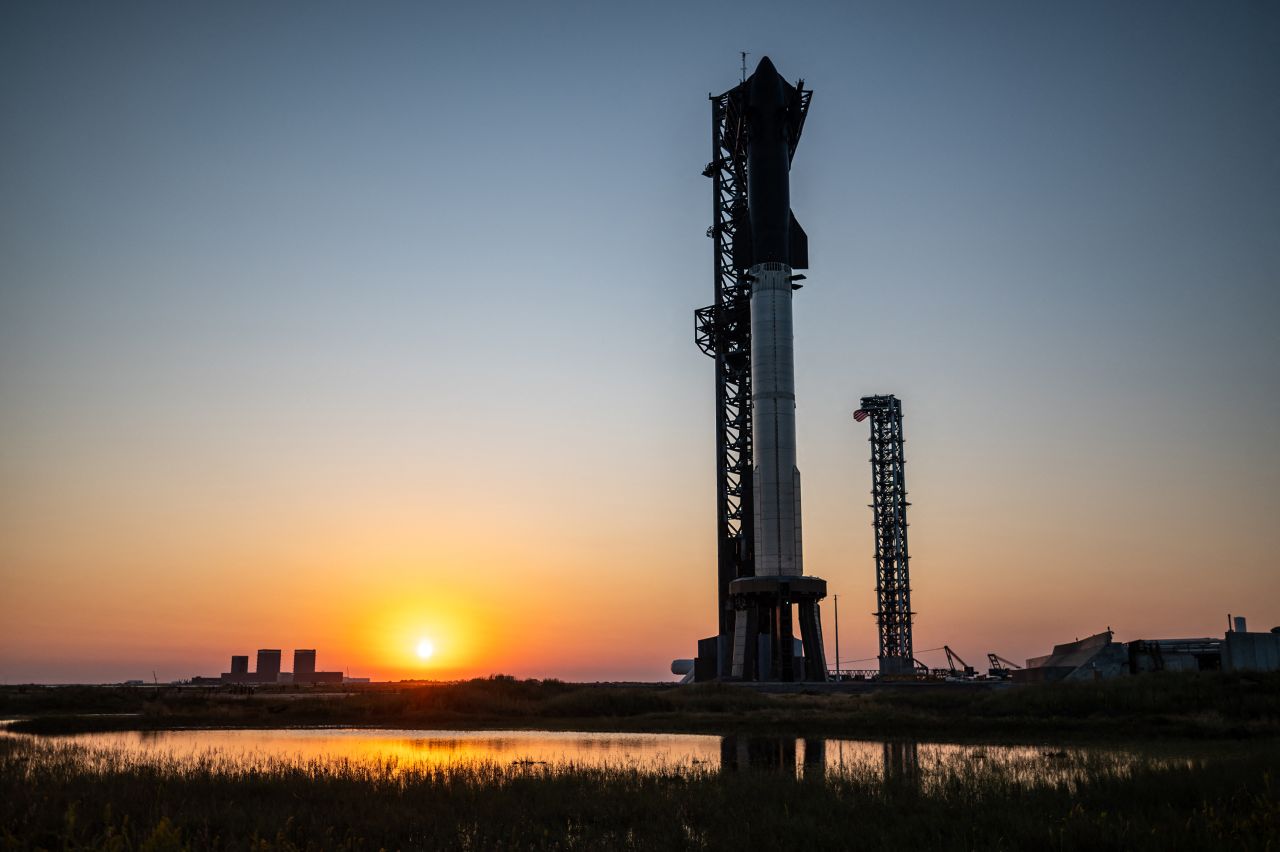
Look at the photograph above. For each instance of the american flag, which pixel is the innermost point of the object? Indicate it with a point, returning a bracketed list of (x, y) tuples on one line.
[(861, 414)]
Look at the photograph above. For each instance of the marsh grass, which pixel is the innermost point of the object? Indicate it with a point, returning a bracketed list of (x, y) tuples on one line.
[(58, 795), (1150, 706)]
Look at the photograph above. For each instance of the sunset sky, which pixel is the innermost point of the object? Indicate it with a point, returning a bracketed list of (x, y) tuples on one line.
[(345, 325)]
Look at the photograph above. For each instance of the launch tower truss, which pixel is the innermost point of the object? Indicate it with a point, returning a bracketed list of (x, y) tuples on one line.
[(723, 331), (889, 519)]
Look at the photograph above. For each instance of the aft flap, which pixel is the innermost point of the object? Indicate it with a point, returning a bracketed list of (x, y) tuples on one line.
[(799, 248)]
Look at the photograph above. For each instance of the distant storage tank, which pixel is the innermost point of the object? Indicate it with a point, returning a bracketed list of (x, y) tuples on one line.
[(268, 665), (240, 664), (1240, 625), (683, 668)]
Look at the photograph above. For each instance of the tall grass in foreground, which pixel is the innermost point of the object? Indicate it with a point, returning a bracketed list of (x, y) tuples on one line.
[(62, 796)]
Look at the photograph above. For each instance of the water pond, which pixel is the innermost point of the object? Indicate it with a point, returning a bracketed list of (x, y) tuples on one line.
[(426, 750)]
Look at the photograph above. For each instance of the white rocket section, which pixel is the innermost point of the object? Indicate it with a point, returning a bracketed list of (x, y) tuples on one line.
[(773, 407)]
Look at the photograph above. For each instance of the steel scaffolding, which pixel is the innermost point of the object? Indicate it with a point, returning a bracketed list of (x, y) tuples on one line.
[(723, 331), (889, 519)]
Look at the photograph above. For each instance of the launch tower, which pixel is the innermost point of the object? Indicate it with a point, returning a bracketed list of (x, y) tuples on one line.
[(889, 518), (755, 128)]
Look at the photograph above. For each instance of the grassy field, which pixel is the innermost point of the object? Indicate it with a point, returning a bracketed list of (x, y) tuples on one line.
[(55, 795), (1151, 706)]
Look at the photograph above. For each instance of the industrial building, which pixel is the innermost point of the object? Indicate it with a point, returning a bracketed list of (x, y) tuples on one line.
[(268, 669), (304, 664), (1096, 656), (1243, 651), (1174, 655), (268, 665), (304, 669), (1099, 656), (1237, 651)]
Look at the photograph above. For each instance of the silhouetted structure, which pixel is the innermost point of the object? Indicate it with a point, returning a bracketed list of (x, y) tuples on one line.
[(889, 519), (1243, 651), (304, 669), (1171, 655), (1091, 658), (268, 665), (304, 664), (748, 330), (239, 670)]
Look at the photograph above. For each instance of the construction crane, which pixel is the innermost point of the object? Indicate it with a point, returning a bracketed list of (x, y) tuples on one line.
[(1001, 672), (965, 670)]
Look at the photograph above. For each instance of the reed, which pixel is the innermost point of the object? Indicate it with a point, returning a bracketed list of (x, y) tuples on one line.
[(55, 794), (1149, 706)]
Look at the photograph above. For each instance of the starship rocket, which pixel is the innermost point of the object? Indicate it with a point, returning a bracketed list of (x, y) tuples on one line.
[(762, 587), (778, 246)]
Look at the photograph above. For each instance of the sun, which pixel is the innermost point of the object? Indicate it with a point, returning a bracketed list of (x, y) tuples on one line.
[(425, 649)]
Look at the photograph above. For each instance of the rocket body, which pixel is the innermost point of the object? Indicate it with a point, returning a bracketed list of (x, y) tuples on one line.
[(777, 242), (773, 411)]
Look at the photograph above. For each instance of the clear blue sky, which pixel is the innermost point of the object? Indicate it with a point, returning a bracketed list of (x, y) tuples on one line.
[(286, 271)]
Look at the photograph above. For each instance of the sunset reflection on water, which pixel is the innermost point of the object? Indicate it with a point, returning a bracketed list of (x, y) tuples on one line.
[(894, 762), (423, 749)]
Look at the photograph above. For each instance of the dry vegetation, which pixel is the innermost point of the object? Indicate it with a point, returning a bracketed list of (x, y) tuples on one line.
[(1150, 706), (55, 795)]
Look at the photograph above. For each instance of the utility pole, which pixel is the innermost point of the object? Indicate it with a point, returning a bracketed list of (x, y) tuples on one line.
[(836, 600)]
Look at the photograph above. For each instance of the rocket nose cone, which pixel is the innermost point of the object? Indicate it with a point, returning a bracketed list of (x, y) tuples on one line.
[(765, 68), (766, 84)]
